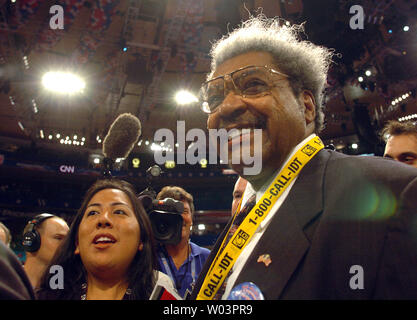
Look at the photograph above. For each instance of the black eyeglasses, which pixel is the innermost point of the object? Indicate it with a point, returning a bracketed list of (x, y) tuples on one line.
[(249, 82)]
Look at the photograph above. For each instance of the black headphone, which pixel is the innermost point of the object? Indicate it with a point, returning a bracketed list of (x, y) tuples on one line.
[(32, 239)]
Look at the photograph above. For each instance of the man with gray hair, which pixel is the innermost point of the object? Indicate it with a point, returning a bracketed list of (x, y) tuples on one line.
[(401, 141), (318, 224)]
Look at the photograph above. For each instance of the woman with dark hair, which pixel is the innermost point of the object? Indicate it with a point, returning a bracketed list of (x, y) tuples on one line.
[(109, 251)]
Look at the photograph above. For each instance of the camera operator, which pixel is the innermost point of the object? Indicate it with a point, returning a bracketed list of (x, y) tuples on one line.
[(183, 261)]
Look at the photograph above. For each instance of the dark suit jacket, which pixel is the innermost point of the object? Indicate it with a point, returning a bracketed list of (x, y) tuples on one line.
[(342, 212), (14, 284)]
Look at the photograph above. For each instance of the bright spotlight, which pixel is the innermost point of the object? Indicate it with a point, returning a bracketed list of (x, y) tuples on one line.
[(156, 147), (368, 73), (185, 97), (354, 146), (63, 82), (360, 79), (406, 28)]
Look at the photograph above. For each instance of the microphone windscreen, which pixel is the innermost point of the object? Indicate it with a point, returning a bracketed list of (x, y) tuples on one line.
[(122, 136)]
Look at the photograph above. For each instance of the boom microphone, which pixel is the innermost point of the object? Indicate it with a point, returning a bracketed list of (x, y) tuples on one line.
[(123, 133), (122, 136)]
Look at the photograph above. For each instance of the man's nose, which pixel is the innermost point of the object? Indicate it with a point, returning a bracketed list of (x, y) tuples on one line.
[(232, 106)]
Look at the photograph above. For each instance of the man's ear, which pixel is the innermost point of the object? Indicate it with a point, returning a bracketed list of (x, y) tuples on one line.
[(309, 104), (140, 248)]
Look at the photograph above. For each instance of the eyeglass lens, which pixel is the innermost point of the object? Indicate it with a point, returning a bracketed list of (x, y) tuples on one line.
[(251, 81)]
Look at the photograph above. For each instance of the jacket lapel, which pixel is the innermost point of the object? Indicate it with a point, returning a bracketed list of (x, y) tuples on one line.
[(209, 261), (284, 239)]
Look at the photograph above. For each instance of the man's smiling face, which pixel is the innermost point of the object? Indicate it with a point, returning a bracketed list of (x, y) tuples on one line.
[(285, 119)]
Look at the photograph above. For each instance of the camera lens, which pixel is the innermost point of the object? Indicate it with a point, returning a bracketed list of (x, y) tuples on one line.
[(166, 226), (162, 228)]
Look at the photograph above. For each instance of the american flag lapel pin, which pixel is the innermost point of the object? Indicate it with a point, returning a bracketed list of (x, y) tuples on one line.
[(265, 258)]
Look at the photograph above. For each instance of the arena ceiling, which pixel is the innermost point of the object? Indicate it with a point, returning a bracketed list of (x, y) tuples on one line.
[(135, 55)]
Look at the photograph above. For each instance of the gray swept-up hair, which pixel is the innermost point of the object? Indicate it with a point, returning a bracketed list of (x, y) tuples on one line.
[(307, 64)]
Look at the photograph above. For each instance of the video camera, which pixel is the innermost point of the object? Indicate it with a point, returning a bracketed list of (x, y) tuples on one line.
[(165, 215)]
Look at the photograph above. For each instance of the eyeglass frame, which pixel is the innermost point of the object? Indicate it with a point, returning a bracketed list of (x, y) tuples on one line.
[(238, 91)]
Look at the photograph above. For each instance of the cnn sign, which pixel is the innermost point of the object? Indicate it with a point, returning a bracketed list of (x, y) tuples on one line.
[(66, 169)]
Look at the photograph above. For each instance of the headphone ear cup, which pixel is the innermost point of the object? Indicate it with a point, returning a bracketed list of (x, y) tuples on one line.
[(31, 241)]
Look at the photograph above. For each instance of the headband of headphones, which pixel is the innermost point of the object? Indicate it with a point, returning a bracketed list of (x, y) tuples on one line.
[(36, 221)]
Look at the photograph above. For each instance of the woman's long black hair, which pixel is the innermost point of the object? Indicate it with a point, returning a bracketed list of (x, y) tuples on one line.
[(141, 276)]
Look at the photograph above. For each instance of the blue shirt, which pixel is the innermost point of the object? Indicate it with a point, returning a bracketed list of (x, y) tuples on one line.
[(185, 277)]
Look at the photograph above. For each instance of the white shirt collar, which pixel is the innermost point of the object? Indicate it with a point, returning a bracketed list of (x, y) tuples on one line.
[(249, 191)]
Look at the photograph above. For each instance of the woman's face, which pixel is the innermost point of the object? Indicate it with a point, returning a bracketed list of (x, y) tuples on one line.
[(109, 233)]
